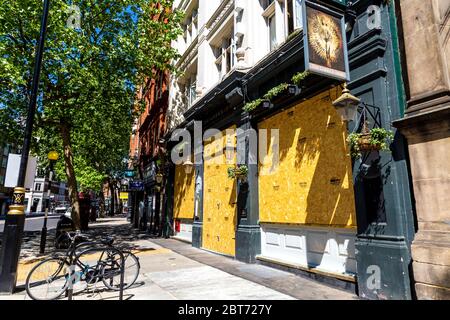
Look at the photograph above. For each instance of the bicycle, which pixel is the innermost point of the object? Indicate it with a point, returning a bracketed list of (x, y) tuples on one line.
[(79, 268)]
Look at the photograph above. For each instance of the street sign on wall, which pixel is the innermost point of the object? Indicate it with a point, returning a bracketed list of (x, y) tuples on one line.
[(136, 186), (130, 173)]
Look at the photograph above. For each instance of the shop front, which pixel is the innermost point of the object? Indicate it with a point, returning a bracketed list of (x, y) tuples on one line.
[(183, 204), (148, 205), (308, 206), (306, 191), (219, 195)]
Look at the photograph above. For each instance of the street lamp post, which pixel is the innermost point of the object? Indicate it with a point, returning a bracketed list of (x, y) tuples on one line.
[(15, 219), (52, 157)]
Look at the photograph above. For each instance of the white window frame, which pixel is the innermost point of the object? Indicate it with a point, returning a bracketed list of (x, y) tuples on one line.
[(224, 52), (273, 41), (271, 13), (190, 91), (297, 15)]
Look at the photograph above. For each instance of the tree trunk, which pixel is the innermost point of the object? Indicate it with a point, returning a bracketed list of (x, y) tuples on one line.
[(102, 204), (113, 196), (70, 174), (118, 201), (105, 186)]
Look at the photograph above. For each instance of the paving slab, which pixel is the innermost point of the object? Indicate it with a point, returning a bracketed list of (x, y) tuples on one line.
[(281, 281), (174, 270)]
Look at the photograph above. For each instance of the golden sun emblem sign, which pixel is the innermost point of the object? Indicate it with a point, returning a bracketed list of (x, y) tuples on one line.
[(324, 37)]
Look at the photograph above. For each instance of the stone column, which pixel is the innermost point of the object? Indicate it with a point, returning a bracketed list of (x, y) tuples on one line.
[(426, 126)]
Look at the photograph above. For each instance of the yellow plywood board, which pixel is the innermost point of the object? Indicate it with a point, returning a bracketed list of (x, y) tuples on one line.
[(184, 193), (312, 183), (219, 196)]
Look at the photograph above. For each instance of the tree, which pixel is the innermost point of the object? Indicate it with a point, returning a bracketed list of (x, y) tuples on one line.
[(89, 77)]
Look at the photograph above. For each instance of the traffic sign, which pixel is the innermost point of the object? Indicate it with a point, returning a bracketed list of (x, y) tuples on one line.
[(136, 185)]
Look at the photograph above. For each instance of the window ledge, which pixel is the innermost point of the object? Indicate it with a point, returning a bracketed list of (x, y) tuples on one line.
[(270, 10)]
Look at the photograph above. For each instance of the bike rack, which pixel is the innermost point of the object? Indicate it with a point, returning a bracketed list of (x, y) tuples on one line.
[(69, 290)]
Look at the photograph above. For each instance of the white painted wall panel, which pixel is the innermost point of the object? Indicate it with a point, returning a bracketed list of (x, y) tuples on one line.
[(327, 249), (185, 231)]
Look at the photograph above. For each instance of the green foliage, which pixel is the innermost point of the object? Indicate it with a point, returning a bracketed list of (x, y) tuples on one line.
[(352, 140), (239, 171), (275, 91), (89, 75), (293, 35), (249, 106), (298, 78), (380, 139), (88, 177)]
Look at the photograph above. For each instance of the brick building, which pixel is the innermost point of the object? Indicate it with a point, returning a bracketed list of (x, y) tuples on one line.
[(146, 149)]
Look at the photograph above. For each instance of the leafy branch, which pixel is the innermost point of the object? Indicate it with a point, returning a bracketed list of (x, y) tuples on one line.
[(275, 91), (249, 106), (299, 77)]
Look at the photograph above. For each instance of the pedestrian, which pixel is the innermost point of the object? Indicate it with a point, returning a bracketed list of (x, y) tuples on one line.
[(142, 216)]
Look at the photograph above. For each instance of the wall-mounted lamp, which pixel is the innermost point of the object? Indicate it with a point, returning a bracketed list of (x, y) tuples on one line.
[(347, 105), (188, 166)]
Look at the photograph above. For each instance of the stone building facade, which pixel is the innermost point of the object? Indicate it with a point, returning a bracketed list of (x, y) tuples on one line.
[(426, 125)]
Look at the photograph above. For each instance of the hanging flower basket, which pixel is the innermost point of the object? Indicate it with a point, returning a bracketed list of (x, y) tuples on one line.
[(365, 145), (376, 139), (239, 172)]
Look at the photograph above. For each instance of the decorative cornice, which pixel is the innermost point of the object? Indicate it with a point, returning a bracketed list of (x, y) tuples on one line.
[(184, 4), (219, 16), (188, 55)]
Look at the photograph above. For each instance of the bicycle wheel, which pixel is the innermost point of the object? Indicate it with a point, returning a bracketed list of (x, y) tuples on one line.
[(90, 262), (112, 268), (48, 279)]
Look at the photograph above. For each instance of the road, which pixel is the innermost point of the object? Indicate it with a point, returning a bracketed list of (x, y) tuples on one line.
[(35, 224)]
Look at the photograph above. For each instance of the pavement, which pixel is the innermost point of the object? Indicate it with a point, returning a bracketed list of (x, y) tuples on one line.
[(174, 270)]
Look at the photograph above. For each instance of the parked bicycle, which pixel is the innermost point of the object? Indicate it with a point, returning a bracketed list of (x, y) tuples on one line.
[(83, 265)]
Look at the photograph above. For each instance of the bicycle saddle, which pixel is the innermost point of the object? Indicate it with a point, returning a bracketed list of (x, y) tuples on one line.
[(107, 241)]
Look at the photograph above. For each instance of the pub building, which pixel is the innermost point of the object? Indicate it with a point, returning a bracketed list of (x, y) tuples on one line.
[(319, 211)]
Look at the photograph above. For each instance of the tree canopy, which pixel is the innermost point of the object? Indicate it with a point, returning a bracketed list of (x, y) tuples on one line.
[(97, 52)]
